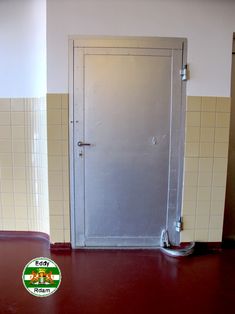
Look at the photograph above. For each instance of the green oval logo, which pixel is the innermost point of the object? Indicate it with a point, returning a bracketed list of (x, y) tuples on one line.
[(41, 277)]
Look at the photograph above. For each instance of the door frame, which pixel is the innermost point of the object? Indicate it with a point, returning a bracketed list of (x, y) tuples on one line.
[(125, 42)]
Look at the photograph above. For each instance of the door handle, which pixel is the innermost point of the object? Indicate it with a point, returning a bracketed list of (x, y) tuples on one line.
[(83, 144)]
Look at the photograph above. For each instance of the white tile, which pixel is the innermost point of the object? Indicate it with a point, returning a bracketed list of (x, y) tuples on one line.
[(5, 132), (222, 135), (202, 222), (188, 222), (5, 118), (201, 235), (221, 150), (216, 221), (215, 235), (208, 119), (218, 193)]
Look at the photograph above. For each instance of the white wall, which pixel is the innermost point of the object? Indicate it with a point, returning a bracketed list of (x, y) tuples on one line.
[(207, 24), (22, 48)]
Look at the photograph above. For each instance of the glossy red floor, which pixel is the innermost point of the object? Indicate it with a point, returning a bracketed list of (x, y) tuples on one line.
[(139, 281)]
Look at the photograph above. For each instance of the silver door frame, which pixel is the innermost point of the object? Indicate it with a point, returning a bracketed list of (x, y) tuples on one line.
[(177, 124)]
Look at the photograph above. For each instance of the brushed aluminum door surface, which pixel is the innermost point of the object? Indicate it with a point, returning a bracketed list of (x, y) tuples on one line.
[(125, 113)]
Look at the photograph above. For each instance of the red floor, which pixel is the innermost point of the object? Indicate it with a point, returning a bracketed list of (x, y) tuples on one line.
[(112, 282)]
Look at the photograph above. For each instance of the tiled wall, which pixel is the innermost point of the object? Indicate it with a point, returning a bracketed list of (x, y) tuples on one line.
[(206, 148), (23, 157), (205, 168), (23, 165), (57, 117)]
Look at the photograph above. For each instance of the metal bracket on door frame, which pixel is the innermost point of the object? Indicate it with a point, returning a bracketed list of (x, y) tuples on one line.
[(167, 248)]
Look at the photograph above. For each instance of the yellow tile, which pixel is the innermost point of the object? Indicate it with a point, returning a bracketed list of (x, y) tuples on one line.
[(65, 132), (65, 163), (192, 150), (221, 150), (55, 163), (56, 207), (54, 117), (208, 103), (219, 179), (204, 178), (19, 160), (8, 212), (5, 118), (66, 192), (187, 236), (5, 132), (65, 101), (205, 164), (5, 104), (6, 173), (189, 222), (191, 164), (222, 120), (19, 186), (203, 193), (65, 117), (67, 235), (208, 119), (189, 207), (218, 193), (223, 104), (55, 178), (56, 193), (65, 148), (22, 224), (7, 200), (202, 222), (222, 135), (201, 235), (18, 146), (18, 132), (220, 165), (54, 101), (6, 160), (66, 222), (20, 199), (65, 178), (190, 178), (190, 193), (17, 118), (9, 224), (192, 134), (194, 103), (7, 186), (5, 146), (56, 235), (217, 207), (19, 173), (193, 118), (203, 207), (28, 104), (206, 149), (56, 222), (54, 132), (66, 208), (207, 135), (21, 212), (215, 235), (216, 222), (17, 104)]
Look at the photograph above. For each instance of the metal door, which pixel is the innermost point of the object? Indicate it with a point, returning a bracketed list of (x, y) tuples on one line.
[(126, 156)]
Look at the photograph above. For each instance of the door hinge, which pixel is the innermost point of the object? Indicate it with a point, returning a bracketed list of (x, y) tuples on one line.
[(184, 73), (179, 224)]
